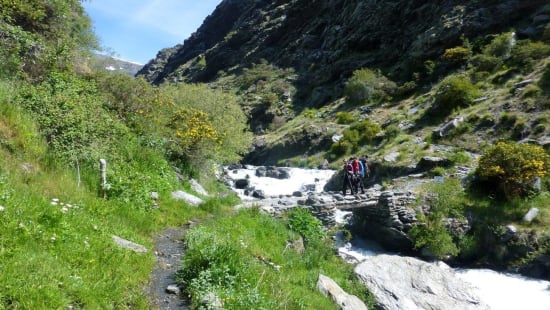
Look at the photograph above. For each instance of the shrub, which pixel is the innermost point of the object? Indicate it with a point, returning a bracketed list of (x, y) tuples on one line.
[(457, 55), (303, 222), (345, 117), (544, 82), (341, 147), (391, 132), (486, 63), (453, 92), (526, 53), (508, 120), (310, 113), (445, 200), (500, 46), (513, 166), (367, 85), (367, 130)]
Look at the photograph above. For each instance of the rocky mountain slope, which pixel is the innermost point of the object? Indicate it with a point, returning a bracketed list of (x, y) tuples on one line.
[(317, 45)]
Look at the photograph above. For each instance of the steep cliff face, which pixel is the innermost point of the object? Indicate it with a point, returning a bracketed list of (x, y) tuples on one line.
[(325, 40)]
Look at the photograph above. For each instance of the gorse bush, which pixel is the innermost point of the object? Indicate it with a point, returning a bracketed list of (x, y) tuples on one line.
[(511, 167), (457, 55)]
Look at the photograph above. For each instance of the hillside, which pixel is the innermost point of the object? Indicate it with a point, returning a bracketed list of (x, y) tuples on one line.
[(285, 57)]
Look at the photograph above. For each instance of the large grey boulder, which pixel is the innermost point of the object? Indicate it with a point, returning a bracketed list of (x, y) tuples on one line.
[(127, 244), (190, 199), (408, 283), (328, 287), (197, 188)]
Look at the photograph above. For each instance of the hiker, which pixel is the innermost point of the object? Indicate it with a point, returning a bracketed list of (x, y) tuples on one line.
[(348, 178), (361, 177), (364, 160), (356, 177)]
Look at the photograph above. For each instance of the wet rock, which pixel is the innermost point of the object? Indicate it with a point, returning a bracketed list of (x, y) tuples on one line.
[(242, 183), (173, 289)]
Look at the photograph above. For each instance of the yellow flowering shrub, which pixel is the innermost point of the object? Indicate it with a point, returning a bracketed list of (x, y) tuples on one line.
[(457, 54), (513, 166), (193, 130)]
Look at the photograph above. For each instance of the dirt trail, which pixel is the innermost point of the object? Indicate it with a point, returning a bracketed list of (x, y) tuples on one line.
[(169, 250)]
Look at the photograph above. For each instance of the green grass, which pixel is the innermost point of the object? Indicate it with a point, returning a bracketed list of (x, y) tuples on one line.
[(246, 261), (53, 258)]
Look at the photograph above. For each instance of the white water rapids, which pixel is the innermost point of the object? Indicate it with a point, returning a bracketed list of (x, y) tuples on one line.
[(500, 291)]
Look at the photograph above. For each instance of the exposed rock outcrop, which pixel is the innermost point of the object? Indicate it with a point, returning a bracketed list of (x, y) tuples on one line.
[(409, 283)]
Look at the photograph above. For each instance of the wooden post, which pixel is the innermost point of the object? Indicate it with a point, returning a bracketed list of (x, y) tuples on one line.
[(103, 170)]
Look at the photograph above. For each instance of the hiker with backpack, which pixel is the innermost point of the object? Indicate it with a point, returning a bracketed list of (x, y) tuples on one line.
[(361, 176), (348, 177)]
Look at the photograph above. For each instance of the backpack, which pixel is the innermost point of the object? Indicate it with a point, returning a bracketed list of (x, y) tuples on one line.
[(361, 168), (365, 167)]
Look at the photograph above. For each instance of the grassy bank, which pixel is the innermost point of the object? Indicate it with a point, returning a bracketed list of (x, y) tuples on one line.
[(251, 260)]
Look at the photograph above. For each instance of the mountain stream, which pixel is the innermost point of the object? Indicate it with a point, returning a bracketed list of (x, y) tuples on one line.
[(497, 289)]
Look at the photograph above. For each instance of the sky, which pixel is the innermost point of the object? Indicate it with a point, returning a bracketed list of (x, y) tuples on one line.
[(135, 30)]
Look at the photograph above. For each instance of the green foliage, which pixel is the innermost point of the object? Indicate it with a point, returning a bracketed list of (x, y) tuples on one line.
[(18, 132), (222, 113), (69, 113), (367, 130), (453, 92), (486, 63), (512, 166), (303, 222), (310, 113), (500, 46), (368, 86), (264, 84), (526, 53), (445, 200), (435, 238), (391, 132), (344, 117), (341, 147), (41, 36), (544, 82), (246, 261)]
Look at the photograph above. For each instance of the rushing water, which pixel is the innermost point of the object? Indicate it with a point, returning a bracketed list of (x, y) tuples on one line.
[(500, 291)]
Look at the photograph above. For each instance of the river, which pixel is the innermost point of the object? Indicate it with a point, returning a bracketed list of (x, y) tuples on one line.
[(500, 291)]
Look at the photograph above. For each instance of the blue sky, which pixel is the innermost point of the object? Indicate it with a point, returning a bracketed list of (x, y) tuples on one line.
[(136, 30)]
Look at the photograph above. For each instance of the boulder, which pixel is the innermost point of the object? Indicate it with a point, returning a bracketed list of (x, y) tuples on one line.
[(408, 283), (197, 188), (345, 301), (444, 129), (531, 215), (242, 183), (430, 162), (126, 244), (190, 199)]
